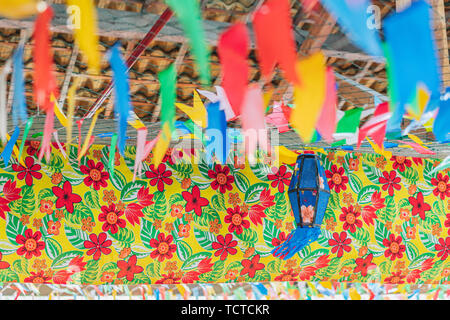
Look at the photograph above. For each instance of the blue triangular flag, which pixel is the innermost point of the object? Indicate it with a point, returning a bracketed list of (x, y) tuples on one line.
[(19, 108), (122, 93)]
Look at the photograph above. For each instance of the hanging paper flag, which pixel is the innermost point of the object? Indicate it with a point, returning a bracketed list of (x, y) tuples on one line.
[(162, 144), (121, 93), (71, 108), (233, 49), (417, 147), (441, 127), (58, 112), (44, 81), (348, 125), (112, 154), (86, 34), (3, 113), (275, 39), (197, 113), (309, 96), (354, 18), (221, 97), (403, 32), (278, 119), (253, 123), (25, 135), (60, 147), (188, 14), (167, 79), (140, 146), (19, 109), (285, 155), (376, 126), (47, 136), (87, 140), (218, 142), (385, 153), (18, 9), (326, 124), (7, 151)]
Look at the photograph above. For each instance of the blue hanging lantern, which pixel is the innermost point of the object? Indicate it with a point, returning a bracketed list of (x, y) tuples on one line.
[(308, 193)]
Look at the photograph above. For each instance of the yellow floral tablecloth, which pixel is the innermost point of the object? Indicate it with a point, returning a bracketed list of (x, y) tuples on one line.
[(75, 222)]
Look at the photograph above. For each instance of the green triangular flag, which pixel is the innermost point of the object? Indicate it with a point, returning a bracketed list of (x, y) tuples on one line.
[(188, 14), (350, 121)]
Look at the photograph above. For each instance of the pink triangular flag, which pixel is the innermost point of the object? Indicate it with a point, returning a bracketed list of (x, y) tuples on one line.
[(278, 119), (326, 124), (253, 123)]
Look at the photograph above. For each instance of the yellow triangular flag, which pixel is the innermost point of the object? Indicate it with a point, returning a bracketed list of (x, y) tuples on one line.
[(353, 293), (89, 134), (83, 17), (18, 9), (58, 112), (309, 96), (197, 113), (419, 104), (285, 155), (162, 145), (376, 148)]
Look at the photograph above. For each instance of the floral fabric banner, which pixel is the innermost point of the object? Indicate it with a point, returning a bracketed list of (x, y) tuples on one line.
[(71, 222)]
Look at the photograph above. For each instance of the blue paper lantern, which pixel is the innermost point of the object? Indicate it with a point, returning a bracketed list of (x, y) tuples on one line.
[(308, 193)]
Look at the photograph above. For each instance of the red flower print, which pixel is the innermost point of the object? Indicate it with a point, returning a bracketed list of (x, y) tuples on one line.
[(168, 279), (417, 161), (447, 223), (194, 201), (306, 273), (110, 216), (128, 269), (442, 186), (205, 265), (413, 276), (350, 218), (340, 243), (222, 180), (251, 266), (38, 277), (256, 213), (400, 162), (96, 176), (159, 176), (4, 207), (395, 278), (277, 241), (362, 265), (280, 178), (443, 247), (164, 247), (336, 178), (10, 192), (224, 246), (31, 244), (390, 181), (65, 197), (33, 147), (394, 247), (30, 171), (144, 197), (419, 206), (97, 245), (190, 277), (236, 220), (288, 275), (266, 199), (3, 264), (133, 212)]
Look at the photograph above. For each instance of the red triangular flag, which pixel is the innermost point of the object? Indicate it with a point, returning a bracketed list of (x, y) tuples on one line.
[(44, 82), (233, 50), (275, 40)]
